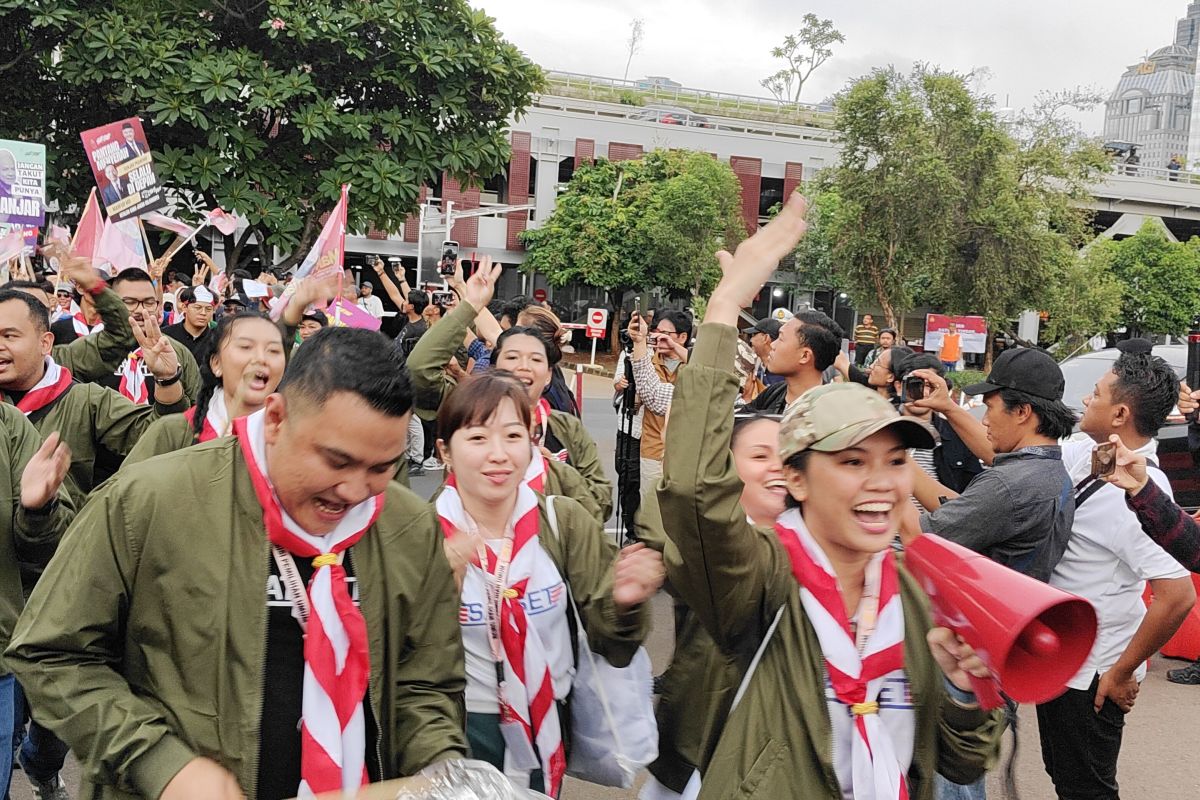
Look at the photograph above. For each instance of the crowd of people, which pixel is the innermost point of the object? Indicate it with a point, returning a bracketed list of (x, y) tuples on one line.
[(218, 584)]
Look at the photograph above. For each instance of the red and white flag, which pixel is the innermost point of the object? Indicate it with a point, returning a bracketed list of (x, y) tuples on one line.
[(326, 257), (89, 229), (120, 247), (12, 244), (169, 224)]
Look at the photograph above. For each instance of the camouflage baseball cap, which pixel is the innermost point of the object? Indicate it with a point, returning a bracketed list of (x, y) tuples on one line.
[(840, 415)]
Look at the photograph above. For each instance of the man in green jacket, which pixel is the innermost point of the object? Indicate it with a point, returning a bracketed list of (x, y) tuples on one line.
[(36, 514), (86, 415), (168, 671)]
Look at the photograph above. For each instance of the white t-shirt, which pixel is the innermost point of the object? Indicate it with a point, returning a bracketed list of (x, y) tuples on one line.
[(546, 608), (1108, 561), (372, 305)]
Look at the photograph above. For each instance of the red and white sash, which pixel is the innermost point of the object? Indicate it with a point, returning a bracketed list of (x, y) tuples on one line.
[(856, 665), (216, 421), (527, 694), (333, 731), (54, 383), (133, 381)]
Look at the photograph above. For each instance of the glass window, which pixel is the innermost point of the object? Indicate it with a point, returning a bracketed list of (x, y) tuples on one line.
[(1133, 105)]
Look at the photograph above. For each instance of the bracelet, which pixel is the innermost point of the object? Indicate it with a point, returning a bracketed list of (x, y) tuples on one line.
[(171, 381)]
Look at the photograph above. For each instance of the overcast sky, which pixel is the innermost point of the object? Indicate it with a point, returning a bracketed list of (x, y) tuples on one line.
[(1028, 45)]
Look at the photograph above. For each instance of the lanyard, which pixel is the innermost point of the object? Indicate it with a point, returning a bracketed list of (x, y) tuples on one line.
[(868, 606), (496, 589), (295, 586)]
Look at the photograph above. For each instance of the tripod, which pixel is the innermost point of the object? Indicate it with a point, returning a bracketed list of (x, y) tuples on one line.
[(628, 452)]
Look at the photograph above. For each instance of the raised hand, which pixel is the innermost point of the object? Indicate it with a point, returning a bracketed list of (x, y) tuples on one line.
[(45, 472), (937, 391), (203, 267), (479, 289), (77, 269), (746, 271), (157, 267), (160, 357), (638, 574)]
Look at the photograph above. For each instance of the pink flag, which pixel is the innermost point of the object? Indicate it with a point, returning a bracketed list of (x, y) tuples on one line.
[(120, 247), (224, 222), (169, 224), (344, 314), (325, 258), (87, 232), (12, 244)]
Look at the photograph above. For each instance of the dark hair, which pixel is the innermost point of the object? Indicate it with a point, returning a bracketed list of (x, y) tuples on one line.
[(521, 330), (37, 311), (130, 275), (813, 317), (798, 462), (678, 319), (418, 300), (1149, 386), (742, 423), (24, 285), (910, 361), (824, 345), (209, 382), (353, 360), (475, 400), (513, 308), (128, 125), (1055, 420), (317, 316), (892, 331)]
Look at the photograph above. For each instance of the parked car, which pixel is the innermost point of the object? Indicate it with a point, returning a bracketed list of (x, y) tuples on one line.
[(1174, 455), (671, 115)]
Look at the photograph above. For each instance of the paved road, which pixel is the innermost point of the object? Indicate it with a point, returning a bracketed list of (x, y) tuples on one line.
[(1162, 737)]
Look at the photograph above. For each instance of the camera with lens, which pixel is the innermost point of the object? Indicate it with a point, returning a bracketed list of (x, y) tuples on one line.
[(626, 341), (912, 389)]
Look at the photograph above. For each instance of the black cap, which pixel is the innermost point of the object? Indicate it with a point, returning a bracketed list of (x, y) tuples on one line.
[(1135, 346), (1025, 369), (766, 325)]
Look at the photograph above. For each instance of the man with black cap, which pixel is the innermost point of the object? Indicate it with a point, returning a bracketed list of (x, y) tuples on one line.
[(1019, 512), (760, 336)]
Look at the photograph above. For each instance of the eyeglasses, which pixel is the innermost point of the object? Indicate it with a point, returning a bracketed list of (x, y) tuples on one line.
[(133, 304)]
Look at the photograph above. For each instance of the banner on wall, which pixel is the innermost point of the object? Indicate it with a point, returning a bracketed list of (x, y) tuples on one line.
[(972, 329)]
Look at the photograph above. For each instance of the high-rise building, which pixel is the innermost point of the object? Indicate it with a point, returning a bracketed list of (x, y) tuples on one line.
[(1152, 105)]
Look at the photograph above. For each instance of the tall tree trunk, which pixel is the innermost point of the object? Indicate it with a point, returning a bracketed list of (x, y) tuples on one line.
[(987, 349)]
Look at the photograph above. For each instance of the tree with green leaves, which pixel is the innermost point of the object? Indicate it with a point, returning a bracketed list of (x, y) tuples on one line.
[(1160, 279), (1082, 300), (804, 52), (266, 109), (943, 203), (657, 221)]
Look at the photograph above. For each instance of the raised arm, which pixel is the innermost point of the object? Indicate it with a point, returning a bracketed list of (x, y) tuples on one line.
[(969, 429), (389, 286)]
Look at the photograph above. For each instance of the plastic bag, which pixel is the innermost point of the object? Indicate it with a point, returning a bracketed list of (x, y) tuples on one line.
[(463, 779)]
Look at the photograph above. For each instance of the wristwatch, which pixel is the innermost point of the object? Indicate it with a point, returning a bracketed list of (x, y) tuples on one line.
[(174, 379)]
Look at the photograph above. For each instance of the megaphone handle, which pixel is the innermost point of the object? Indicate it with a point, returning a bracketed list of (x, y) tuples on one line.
[(989, 696)]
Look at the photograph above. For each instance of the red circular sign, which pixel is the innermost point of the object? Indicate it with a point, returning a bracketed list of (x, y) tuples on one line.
[(597, 318), (539, 295)]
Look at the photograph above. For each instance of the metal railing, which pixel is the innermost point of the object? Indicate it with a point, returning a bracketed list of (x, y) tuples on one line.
[(1156, 173), (700, 101)]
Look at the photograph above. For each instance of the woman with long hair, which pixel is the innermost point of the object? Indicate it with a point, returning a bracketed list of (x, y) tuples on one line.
[(243, 363), (557, 393), (850, 691), (520, 558), (562, 444)]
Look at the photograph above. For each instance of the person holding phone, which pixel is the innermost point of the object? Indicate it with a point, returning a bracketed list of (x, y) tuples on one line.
[(656, 358)]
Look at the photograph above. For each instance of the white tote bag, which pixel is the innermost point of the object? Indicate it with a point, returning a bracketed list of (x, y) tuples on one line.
[(614, 734)]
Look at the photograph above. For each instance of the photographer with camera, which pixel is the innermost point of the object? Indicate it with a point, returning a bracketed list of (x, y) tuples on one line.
[(656, 359), (950, 462), (629, 439)]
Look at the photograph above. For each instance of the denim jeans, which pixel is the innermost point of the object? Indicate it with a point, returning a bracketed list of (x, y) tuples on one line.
[(41, 753), (7, 722), (945, 790)]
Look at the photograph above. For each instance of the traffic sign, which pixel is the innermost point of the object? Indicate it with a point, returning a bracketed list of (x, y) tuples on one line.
[(597, 322), (539, 295)]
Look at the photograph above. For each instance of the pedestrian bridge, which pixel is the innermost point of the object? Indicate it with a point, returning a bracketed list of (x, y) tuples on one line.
[(1132, 193)]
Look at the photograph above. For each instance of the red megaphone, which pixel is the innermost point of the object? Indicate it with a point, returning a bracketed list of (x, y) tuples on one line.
[(1033, 637)]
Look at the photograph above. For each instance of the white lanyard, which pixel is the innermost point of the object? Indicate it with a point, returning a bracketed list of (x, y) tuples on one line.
[(495, 588), (868, 606)]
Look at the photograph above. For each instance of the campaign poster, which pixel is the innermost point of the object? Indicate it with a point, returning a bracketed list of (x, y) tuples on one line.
[(124, 169), (29, 234), (22, 183), (972, 329)]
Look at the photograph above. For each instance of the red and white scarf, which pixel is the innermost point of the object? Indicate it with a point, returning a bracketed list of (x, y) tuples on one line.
[(333, 731), (82, 328), (856, 674), (216, 420), (56, 380), (535, 473), (133, 380), (528, 692)]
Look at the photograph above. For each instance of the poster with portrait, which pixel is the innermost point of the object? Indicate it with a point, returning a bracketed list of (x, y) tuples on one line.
[(22, 183), (972, 329), (124, 169)]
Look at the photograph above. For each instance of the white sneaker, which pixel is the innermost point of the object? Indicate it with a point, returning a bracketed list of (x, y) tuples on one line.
[(432, 464)]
